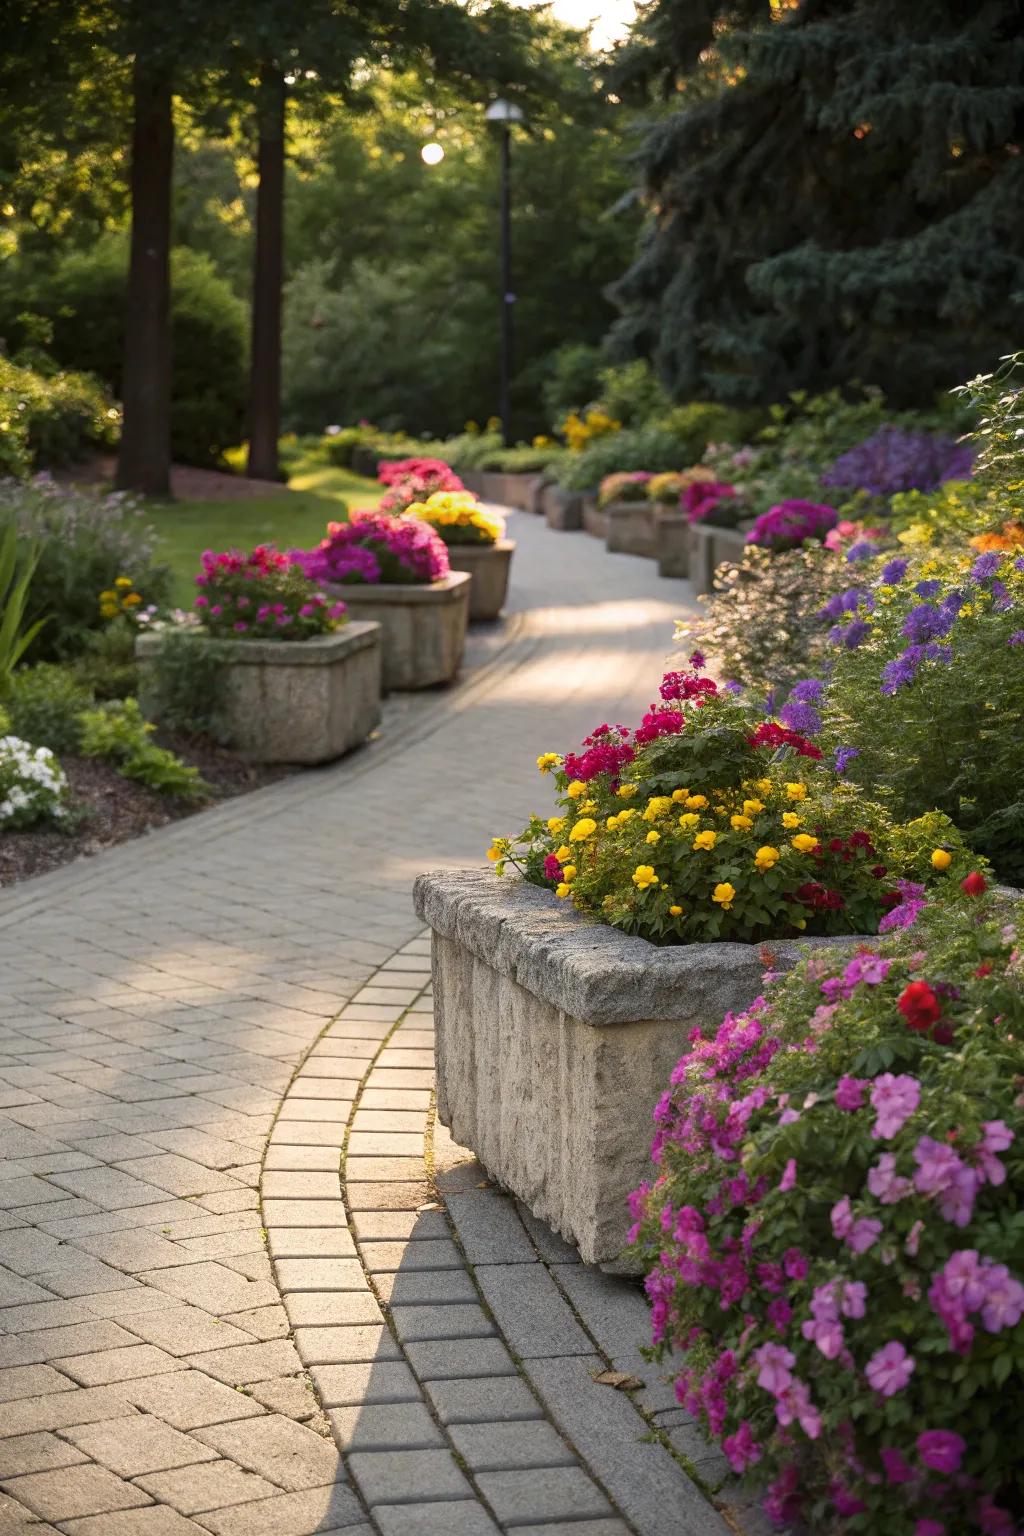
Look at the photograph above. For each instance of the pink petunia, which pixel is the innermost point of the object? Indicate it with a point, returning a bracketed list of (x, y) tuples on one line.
[(890, 1368), (942, 1450), (894, 1100)]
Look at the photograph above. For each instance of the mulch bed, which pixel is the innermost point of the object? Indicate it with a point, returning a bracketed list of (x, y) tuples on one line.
[(113, 809), (187, 482)]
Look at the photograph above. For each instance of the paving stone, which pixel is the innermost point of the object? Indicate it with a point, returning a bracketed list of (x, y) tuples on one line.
[(155, 1520), (311, 1243), (369, 1383), (290, 1395), (320, 1274), (531, 1311), (385, 1427), (439, 1519), (353, 1344), (300, 1186), (140, 1443), (109, 1365), (76, 1339), (334, 1308), (286, 1159), (483, 1399), (31, 1381), (407, 1477), (214, 1287), (434, 1253), (550, 1245), (323, 1510), (184, 1330), (610, 1527), (489, 1228), (543, 1493), (58, 1409), (35, 1453), (190, 1400), (304, 1213), (428, 1287), (109, 1188), (400, 1195), (495, 1446), (69, 1491), (278, 1449), (454, 1358), (208, 1485), (241, 1364)]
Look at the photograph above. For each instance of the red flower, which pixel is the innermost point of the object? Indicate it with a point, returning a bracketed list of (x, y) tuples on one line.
[(772, 735), (975, 884), (919, 1006), (984, 969)]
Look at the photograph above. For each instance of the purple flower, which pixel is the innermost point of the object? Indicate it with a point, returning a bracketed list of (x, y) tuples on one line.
[(800, 717), (844, 757), (809, 691), (1017, 638), (788, 524), (926, 622), (893, 460), (884, 1182), (927, 588), (852, 636), (894, 1099), (850, 1092), (985, 567), (890, 1368), (941, 1450), (862, 549), (894, 571)]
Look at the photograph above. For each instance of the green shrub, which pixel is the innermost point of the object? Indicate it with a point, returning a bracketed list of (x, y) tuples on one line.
[(106, 665), (522, 460), (337, 447), (44, 703), (701, 422), (119, 732), (572, 379), (85, 542), (84, 298), (633, 394), (649, 448), (52, 420), (185, 687)]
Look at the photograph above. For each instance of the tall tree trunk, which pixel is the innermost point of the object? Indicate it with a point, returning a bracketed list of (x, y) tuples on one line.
[(268, 277), (144, 462)]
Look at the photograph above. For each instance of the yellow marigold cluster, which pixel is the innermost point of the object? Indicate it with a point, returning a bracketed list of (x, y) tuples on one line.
[(121, 598), (458, 509), (579, 430)]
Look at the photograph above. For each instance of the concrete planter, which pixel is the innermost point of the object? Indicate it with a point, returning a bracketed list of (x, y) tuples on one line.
[(673, 542), (563, 510), (508, 490), (534, 497), (556, 1038), (595, 518), (423, 627), (630, 528), (710, 547), (473, 480), (291, 701), (489, 566)]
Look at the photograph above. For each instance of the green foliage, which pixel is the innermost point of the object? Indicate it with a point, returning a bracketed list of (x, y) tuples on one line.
[(468, 450), (650, 448), (633, 395), (521, 460), (572, 378), (337, 447), (83, 297), (18, 566), (835, 194), (106, 664), (997, 401), (185, 687), (50, 420), (85, 542), (44, 703), (118, 731)]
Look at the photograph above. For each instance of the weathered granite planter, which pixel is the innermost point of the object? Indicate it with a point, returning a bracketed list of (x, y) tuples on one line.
[(595, 518), (555, 1040), (630, 528), (423, 627), (563, 510), (291, 701), (673, 542), (489, 566), (711, 547)]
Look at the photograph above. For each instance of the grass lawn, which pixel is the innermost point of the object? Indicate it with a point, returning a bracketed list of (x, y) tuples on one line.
[(295, 519)]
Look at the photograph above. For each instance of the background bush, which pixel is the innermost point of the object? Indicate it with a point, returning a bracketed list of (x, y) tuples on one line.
[(43, 704), (51, 420)]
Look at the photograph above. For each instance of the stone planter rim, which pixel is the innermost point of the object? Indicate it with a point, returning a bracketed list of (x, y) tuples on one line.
[(318, 650), (447, 589), (593, 972), (503, 546)]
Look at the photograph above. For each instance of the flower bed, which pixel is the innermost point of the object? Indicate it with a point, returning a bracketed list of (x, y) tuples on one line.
[(414, 480), (834, 1238)]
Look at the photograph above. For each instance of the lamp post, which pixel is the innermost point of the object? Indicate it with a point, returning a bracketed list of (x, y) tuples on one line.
[(505, 113)]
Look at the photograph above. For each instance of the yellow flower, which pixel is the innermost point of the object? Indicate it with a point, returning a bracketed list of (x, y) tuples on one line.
[(751, 807), (724, 894), (691, 819), (941, 859), (498, 849), (131, 599), (627, 791), (696, 802), (657, 806), (740, 823), (796, 791), (720, 810), (123, 581), (800, 922), (804, 843), (585, 807), (766, 857), (556, 823), (644, 876), (109, 610), (582, 829), (790, 820), (705, 840), (675, 911), (627, 814), (569, 872), (576, 789), (562, 890), (548, 760), (678, 795), (108, 597), (563, 853), (653, 837), (763, 786), (612, 823)]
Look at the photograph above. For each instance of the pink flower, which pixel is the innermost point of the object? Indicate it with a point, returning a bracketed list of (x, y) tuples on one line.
[(827, 1334), (894, 1099), (997, 1138), (850, 1092), (913, 1241), (864, 1233), (773, 1362), (794, 1405), (854, 1298), (896, 1469), (841, 1217), (884, 1183), (1004, 1299), (741, 1448), (890, 1368), (929, 1528), (788, 1180), (941, 1450)]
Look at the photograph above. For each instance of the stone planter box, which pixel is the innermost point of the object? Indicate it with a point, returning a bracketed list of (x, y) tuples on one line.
[(556, 1037), (595, 518), (506, 489), (630, 528), (533, 498), (563, 510), (472, 479), (673, 542), (489, 566), (423, 628), (291, 701), (710, 547)]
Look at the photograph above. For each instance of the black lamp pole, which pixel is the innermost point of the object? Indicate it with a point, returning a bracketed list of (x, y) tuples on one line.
[(505, 113)]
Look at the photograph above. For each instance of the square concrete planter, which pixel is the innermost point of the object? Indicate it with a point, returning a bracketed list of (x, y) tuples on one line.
[(291, 701), (556, 1038), (563, 510), (673, 542), (473, 480), (711, 547), (630, 528), (489, 565), (507, 489), (423, 627), (595, 518)]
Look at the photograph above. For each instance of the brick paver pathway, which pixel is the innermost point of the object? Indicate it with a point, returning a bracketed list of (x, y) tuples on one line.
[(190, 1334)]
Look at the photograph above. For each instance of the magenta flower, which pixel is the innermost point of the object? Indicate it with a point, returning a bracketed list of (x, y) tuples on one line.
[(741, 1448), (788, 1180), (850, 1093), (929, 1528), (885, 1184), (894, 1099), (773, 1362), (890, 1368), (826, 1333), (1004, 1299), (941, 1450), (896, 1469), (794, 1405)]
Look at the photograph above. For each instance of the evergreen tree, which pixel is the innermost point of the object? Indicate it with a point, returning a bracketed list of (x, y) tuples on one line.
[(836, 193)]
